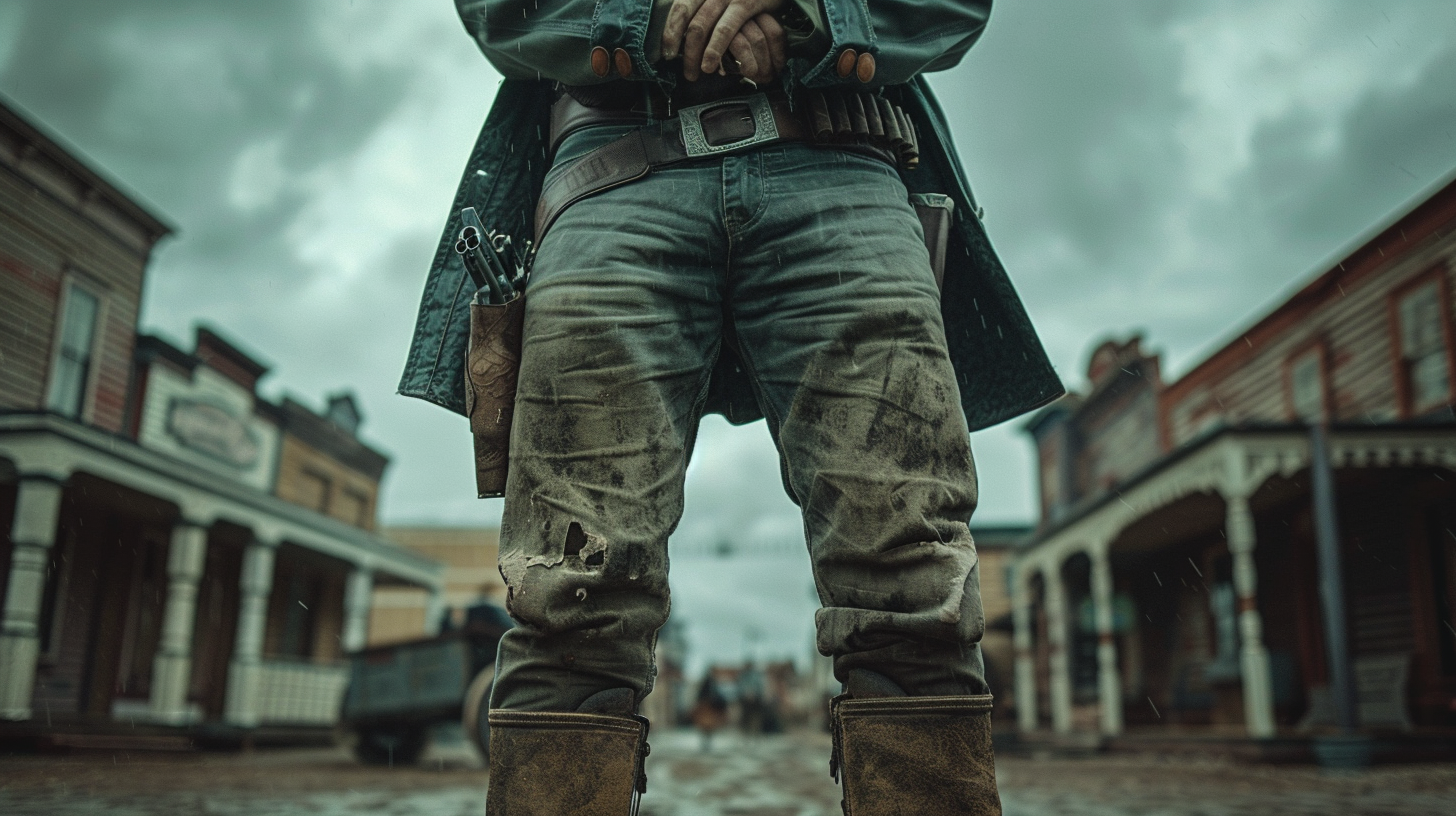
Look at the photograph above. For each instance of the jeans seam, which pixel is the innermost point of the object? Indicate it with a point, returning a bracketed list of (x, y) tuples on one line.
[(702, 399), (763, 193), (771, 416)]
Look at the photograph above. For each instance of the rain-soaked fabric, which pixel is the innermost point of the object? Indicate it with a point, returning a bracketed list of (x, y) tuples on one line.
[(806, 267)]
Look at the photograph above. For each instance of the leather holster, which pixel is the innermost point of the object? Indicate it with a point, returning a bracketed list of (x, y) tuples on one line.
[(492, 363), (936, 213), (547, 763), (929, 756)]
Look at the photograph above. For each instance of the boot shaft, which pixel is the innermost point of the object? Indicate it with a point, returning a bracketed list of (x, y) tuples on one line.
[(928, 756), (546, 763)]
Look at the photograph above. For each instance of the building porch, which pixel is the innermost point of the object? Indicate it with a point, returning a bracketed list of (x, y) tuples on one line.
[(1184, 605)]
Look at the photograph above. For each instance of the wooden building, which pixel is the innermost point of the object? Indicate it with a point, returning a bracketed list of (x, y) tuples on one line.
[(997, 547), (1171, 583), (470, 577), (322, 464), (147, 572)]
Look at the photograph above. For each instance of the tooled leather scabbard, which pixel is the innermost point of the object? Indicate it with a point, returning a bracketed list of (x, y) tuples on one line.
[(492, 365)]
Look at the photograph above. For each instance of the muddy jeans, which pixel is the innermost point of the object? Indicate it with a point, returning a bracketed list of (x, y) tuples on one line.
[(816, 258)]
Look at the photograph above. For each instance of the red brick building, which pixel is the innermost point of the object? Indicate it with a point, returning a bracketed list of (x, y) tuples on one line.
[(1172, 580)]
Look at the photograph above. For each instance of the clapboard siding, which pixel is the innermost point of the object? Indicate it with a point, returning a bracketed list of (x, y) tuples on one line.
[(1348, 309), (59, 223), (1354, 322), (60, 234)]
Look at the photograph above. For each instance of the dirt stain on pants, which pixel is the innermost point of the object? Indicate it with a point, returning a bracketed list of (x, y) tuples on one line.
[(842, 338)]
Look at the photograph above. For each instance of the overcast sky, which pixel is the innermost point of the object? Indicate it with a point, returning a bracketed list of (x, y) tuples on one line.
[(1169, 167)]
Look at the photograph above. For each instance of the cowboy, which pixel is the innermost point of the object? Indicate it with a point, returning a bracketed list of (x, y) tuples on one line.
[(723, 198)]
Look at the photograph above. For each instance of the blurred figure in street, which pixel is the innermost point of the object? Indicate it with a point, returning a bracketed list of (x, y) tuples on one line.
[(710, 712), (750, 699)]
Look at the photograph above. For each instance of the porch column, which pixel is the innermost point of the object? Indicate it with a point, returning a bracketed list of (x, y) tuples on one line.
[(1109, 678), (357, 600), (1061, 668), (37, 513), (245, 669), (435, 611), (172, 667), (1254, 658), (1022, 620)]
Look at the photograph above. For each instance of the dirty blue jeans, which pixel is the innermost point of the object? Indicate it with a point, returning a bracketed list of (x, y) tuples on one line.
[(817, 258)]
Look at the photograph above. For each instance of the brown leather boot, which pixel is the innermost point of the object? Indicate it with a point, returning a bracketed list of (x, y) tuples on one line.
[(549, 763), (927, 756)]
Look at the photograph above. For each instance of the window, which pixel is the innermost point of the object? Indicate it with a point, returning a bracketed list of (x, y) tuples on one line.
[(313, 490), (72, 371), (1307, 386), (353, 507), (1423, 356)]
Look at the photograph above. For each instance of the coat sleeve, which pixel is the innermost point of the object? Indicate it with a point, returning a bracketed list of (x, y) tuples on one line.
[(906, 37), (553, 39)]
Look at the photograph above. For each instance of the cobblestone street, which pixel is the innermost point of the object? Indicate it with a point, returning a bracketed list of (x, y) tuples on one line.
[(768, 776)]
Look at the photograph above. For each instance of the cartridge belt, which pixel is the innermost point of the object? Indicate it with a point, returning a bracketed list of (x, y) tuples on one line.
[(859, 122)]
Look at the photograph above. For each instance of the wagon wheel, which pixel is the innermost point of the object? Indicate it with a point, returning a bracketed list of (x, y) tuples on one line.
[(477, 704)]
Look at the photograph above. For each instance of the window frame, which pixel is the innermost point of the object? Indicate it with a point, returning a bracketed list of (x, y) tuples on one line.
[(325, 482), (361, 500), (72, 280), (1438, 274), (1320, 347)]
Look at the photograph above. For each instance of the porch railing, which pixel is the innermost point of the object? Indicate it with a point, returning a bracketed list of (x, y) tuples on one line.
[(300, 693)]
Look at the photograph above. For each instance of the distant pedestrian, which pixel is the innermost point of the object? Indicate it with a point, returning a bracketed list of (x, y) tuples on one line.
[(750, 699), (710, 712)]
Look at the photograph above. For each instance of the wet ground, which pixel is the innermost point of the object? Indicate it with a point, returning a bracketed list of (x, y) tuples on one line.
[(769, 776)]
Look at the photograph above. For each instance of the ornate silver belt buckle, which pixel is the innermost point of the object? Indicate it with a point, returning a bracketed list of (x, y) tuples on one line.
[(696, 143)]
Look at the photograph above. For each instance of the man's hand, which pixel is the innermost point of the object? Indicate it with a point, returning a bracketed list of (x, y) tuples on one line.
[(704, 30), (759, 49)]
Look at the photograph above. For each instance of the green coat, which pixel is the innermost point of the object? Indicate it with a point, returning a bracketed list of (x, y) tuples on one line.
[(1000, 365)]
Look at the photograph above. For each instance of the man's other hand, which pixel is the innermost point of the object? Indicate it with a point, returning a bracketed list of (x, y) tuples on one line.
[(704, 30)]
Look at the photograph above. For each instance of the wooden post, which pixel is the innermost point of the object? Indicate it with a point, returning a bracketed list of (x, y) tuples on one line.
[(1109, 678), (1253, 657), (37, 513), (1332, 579), (1061, 668), (245, 670), (1022, 621), (172, 667)]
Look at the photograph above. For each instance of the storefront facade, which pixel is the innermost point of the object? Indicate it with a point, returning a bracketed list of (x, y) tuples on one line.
[(1173, 582), (151, 569)]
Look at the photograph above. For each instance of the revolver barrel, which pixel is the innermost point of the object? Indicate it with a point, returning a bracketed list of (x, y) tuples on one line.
[(482, 263)]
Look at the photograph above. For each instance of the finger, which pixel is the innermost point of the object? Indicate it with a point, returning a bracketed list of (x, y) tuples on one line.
[(758, 45), (778, 42), (723, 33), (754, 32), (677, 22), (696, 39), (742, 50)]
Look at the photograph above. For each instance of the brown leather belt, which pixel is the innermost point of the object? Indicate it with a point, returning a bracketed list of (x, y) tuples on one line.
[(861, 122)]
